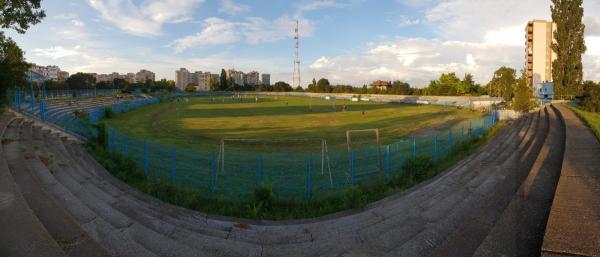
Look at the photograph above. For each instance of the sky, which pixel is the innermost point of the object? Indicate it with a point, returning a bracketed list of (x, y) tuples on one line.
[(347, 41)]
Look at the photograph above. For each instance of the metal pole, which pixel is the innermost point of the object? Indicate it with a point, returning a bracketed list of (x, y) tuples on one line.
[(309, 177), (173, 165), (352, 168), (414, 147), (387, 161), (145, 158), (214, 174)]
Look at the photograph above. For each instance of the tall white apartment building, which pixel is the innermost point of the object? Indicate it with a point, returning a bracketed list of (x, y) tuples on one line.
[(183, 77), (238, 76), (252, 78), (266, 79), (539, 36), (201, 80)]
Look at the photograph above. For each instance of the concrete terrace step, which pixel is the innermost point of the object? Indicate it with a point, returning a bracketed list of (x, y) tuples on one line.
[(519, 232), (61, 226), (150, 232), (477, 200), (22, 233)]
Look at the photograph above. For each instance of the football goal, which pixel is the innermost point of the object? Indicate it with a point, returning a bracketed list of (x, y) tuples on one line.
[(364, 139), (300, 145)]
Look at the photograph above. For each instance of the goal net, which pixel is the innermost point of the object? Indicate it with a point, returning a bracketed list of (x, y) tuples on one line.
[(273, 156)]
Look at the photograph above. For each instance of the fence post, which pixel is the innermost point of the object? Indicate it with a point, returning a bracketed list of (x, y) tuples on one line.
[(309, 177), (387, 161), (435, 148), (352, 169), (470, 127), (258, 170), (145, 158), (172, 165), (450, 143), (214, 174), (125, 145), (414, 147)]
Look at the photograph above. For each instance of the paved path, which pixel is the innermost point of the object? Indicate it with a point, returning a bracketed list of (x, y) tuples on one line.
[(494, 203), (574, 225)]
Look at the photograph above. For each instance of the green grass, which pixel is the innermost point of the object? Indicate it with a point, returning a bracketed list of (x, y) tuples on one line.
[(202, 123), (265, 204), (592, 119)]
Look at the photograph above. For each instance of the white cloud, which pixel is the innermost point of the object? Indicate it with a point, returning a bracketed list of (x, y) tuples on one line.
[(512, 36), (77, 23), (253, 30), (407, 22), (216, 31), (321, 63), (57, 52), (145, 18), (233, 8)]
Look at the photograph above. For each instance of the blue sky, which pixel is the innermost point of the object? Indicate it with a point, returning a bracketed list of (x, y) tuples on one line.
[(347, 41)]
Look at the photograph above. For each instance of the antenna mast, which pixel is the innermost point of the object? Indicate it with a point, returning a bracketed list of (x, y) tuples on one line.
[(296, 80)]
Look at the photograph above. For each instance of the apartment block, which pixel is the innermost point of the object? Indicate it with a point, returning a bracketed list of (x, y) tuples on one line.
[(539, 36), (266, 79), (144, 75)]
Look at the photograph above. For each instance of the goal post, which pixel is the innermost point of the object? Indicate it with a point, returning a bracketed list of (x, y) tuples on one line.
[(319, 143), (349, 134), (377, 138)]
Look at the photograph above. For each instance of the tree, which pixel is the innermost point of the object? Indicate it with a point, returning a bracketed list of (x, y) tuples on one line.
[(323, 86), (281, 86), (20, 14), (223, 80), (502, 84), (17, 15), (400, 88), (522, 95), (591, 96), (13, 68), (569, 45), (447, 85), (81, 81), (190, 88), (213, 84)]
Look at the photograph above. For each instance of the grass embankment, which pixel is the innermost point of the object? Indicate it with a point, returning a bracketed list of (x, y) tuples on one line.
[(265, 204), (592, 119), (202, 122)]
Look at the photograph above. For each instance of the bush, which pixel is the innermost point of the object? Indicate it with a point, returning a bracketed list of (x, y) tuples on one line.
[(264, 196), (109, 113), (419, 168)]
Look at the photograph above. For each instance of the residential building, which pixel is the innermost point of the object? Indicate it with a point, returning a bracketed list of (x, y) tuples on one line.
[(63, 75), (183, 77), (129, 77), (50, 72), (539, 36), (144, 75), (381, 85), (200, 79), (252, 78), (266, 79), (238, 76)]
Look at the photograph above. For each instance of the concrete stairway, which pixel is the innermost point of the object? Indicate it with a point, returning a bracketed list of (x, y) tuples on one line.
[(494, 203)]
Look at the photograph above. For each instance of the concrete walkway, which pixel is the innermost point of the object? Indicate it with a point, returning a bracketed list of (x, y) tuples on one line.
[(574, 225)]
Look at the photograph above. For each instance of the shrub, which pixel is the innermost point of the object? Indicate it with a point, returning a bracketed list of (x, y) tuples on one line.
[(264, 195), (419, 168)]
